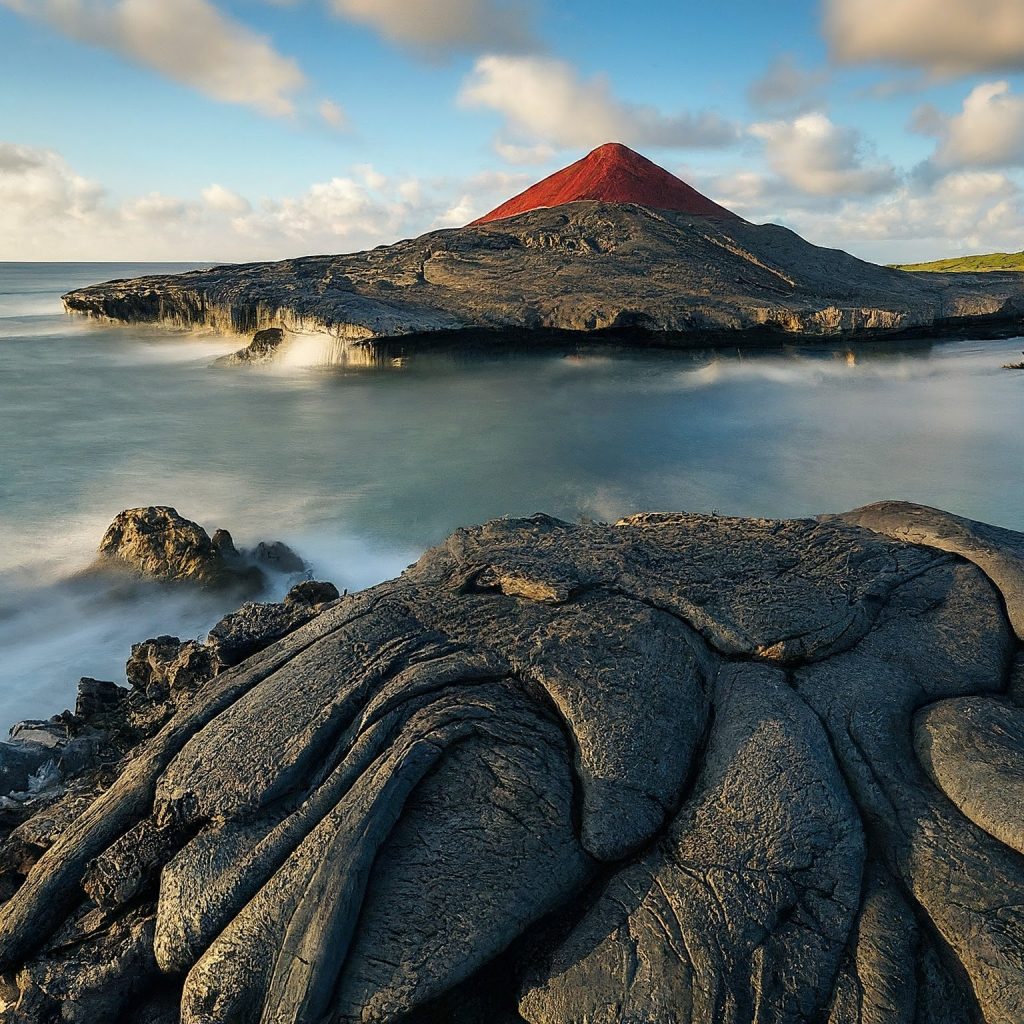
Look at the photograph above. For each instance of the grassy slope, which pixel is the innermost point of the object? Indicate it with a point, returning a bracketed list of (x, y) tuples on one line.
[(970, 264)]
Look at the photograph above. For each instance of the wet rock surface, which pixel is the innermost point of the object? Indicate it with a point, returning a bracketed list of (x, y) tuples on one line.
[(612, 271), (679, 769)]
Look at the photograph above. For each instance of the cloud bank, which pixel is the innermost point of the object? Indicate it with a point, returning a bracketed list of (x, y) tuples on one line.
[(957, 213), (816, 157), (50, 212)]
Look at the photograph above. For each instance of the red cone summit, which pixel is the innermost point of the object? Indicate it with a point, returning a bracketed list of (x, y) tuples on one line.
[(612, 173)]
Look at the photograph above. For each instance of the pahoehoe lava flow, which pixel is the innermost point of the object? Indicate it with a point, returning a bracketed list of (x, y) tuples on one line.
[(681, 768)]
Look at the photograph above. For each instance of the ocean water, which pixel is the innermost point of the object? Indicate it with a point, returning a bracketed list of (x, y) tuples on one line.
[(360, 468)]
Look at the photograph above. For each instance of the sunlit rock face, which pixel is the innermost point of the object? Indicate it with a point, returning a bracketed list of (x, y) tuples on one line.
[(157, 543), (679, 769)]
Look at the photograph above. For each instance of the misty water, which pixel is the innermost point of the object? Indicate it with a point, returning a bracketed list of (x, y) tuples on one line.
[(360, 468)]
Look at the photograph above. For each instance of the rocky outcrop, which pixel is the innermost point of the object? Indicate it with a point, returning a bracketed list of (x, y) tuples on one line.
[(38, 754), (255, 626), (157, 543), (261, 349), (73, 752), (584, 270), (679, 769), (971, 748)]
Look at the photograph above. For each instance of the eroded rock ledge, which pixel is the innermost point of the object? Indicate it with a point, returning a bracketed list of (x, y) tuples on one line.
[(679, 769), (581, 270)]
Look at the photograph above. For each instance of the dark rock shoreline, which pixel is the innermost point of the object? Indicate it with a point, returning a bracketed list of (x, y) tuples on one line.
[(74, 750), (682, 768), (163, 674), (584, 271)]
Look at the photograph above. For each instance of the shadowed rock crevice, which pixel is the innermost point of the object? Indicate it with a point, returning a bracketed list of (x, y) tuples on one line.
[(679, 769)]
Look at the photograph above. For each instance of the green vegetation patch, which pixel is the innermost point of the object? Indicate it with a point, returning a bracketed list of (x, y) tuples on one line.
[(969, 264)]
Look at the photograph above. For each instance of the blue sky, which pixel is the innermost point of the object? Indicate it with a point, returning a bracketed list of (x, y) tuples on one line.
[(250, 129)]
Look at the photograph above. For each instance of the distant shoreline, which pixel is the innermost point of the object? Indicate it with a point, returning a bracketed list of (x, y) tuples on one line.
[(584, 271)]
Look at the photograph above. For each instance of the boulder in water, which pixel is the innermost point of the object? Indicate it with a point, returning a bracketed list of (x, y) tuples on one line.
[(159, 544)]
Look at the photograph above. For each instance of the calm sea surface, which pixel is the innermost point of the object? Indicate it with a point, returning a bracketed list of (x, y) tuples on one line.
[(361, 468)]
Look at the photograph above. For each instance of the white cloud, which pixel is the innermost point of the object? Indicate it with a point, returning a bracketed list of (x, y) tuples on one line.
[(785, 86), (468, 206), (460, 212), (815, 156), (37, 184), (371, 177), (754, 195), (223, 200), (822, 184), (410, 191), (943, 36), (445, 26), (154, 209), (545, 99), (50, 212), (190, 41), (988, 132)]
